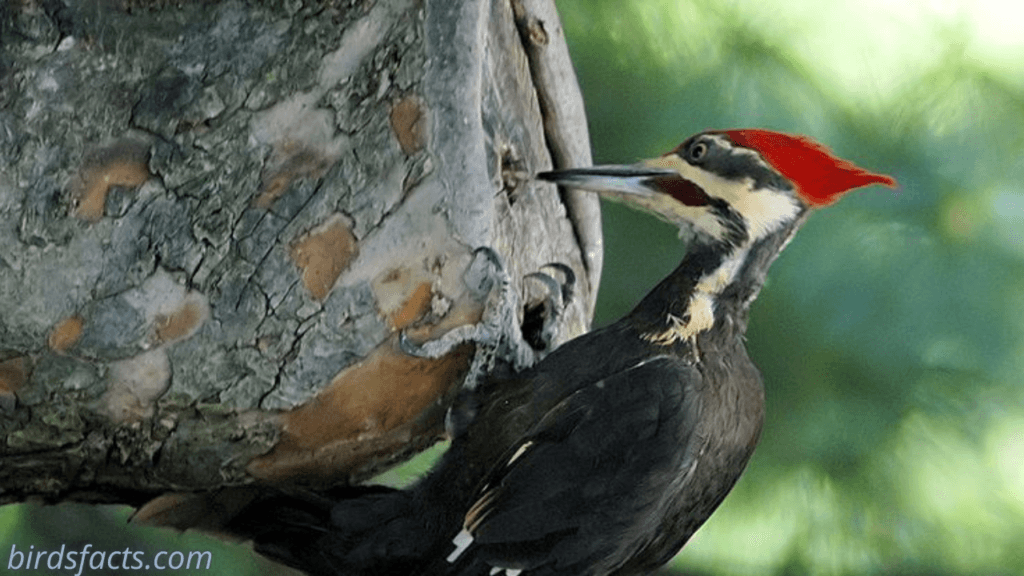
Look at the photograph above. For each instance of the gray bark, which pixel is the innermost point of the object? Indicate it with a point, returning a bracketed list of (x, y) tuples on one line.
[(215, 218)]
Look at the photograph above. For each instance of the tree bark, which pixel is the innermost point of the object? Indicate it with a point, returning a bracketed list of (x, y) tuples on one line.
[(216, 218)]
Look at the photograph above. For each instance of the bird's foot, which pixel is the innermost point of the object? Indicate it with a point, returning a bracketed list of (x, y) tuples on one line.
[(487, 281), (499, 334)]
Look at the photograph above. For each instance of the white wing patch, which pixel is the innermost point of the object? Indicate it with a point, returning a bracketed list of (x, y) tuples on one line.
[(519, 452), (462, 541), (720, 277)]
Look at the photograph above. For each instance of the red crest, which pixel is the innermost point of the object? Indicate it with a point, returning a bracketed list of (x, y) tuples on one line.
[(819, 176)]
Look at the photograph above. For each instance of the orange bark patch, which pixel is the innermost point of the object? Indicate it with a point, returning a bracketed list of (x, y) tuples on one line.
[(414, 308), (291, 161), (403, 295), (181, 323), (13, 375), (123, 163), (323, 254), (371, 409), (375, 412), (409, 124), (65, 334)]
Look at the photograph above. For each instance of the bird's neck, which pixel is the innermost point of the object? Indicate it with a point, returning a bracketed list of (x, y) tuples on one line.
[(713, 286)]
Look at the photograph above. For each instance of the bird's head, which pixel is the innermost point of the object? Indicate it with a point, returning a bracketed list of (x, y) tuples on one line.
[(729, 186)]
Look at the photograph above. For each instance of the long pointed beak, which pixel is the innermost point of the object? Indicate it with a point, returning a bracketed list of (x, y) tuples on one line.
[(634, 180)]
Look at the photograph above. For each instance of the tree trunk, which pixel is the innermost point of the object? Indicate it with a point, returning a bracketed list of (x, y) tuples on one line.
[(216, 218)]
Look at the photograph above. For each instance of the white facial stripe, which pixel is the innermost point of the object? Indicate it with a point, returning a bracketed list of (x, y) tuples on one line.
[(666, 208), (717, 280), (763, 210)]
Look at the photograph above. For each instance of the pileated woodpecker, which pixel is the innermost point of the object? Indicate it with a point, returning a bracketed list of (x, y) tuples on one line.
[(606, 456)]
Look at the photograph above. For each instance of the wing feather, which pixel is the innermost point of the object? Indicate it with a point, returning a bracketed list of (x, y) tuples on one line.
[(590, 471)]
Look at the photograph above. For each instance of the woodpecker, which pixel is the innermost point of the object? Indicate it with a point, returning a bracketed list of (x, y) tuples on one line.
[(607, 455)]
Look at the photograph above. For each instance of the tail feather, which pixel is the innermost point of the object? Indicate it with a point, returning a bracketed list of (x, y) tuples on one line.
[(295, 530), (359, 531)]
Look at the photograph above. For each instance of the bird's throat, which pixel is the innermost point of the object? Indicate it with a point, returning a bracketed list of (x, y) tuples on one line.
[(698, 307), (684, 304)]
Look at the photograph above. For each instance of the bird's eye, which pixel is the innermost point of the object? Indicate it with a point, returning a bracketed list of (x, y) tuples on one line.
[(698, 151)]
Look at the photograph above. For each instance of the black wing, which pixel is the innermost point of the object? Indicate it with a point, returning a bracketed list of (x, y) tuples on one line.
[(586, 487)]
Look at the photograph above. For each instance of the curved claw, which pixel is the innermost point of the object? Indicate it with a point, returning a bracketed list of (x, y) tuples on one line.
[(491, 254), (541, 321), (485, 271), (406, 345), (554, 288), (568, 287)]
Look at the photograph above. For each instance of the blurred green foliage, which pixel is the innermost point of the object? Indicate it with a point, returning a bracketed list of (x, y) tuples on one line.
[(890, 331)]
